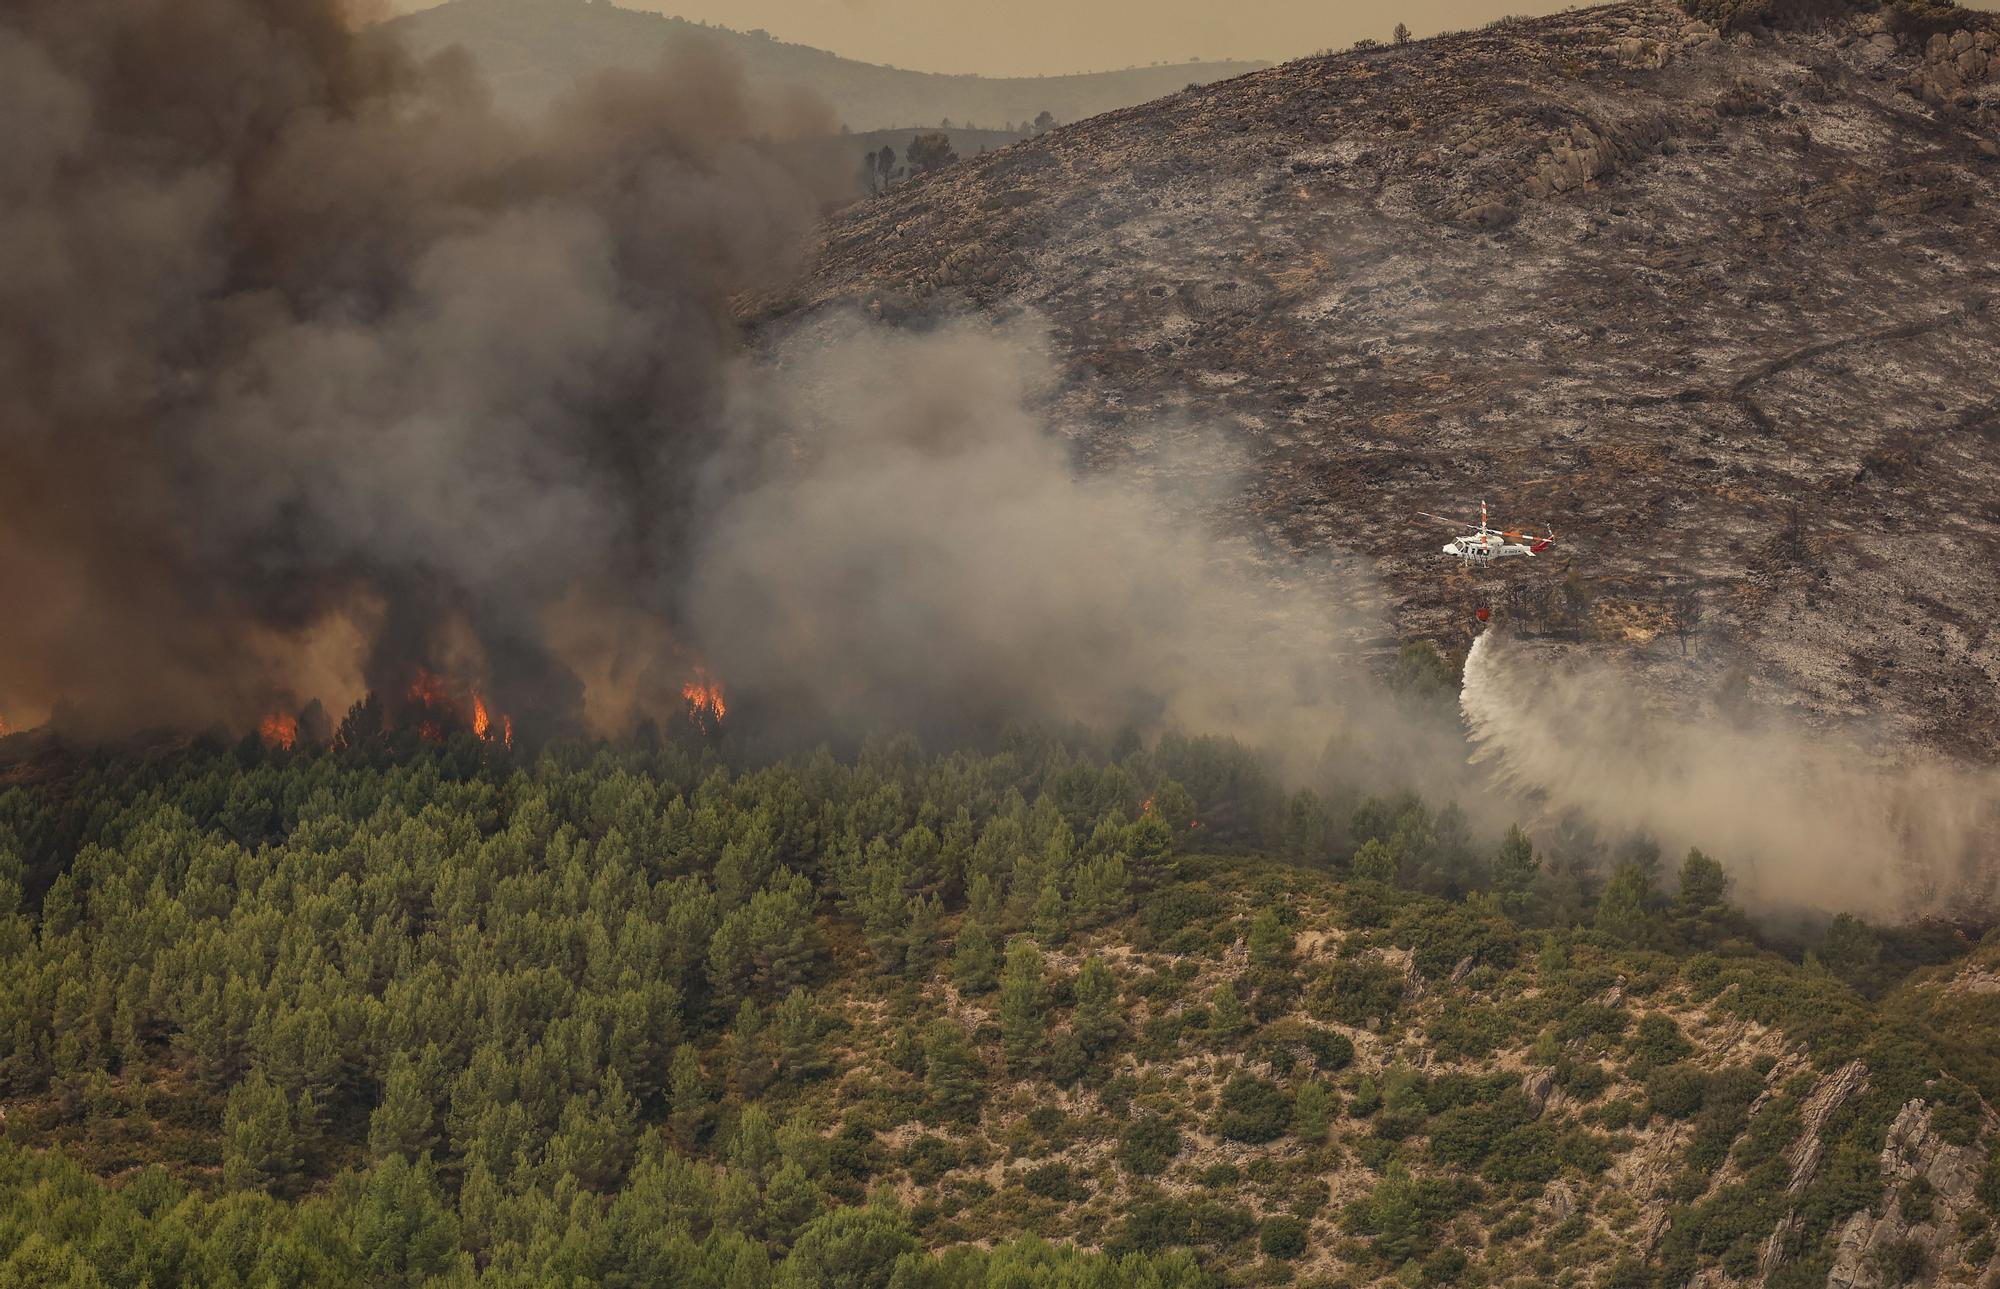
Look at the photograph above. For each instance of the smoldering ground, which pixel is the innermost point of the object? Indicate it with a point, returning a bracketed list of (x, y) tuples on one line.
[(1803, 819)]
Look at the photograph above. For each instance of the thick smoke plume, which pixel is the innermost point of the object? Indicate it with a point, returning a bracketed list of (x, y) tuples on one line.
[(319, 371), (327, 376), (1803, 820), (895, 537)]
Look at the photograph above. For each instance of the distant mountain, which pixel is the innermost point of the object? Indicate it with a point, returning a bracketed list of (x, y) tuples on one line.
[(531, 50)]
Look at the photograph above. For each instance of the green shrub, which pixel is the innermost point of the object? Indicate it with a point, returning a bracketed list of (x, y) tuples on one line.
[(1147, 1145), (1054, 1181), (1918, 1200), (1309, 1198), (1956, 1124), (1154, 1224), (1331, 1050), (1592, 1020), (1658, 1042), (1282, 1237), (929, 1158), (1221, 1224), (1447, 1266), (1900, 1262), (1253, 1110), (1584, 1081), (1402, 1214), (1675, 1091), (1470, 1031), (1525, 1154), (1357, 990)]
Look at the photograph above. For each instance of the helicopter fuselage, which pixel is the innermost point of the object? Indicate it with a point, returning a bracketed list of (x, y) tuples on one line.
[(1475, 551)]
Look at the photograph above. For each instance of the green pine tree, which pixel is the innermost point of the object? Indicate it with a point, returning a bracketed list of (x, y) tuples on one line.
[(953, 1076), (1099, 1020), (1023, 1026), (260, 1150), (975, 960)]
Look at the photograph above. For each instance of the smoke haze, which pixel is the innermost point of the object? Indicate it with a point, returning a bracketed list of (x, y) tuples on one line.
[(1801, 819), (897, 538)]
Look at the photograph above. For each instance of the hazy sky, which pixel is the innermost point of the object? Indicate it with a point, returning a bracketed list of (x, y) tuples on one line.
[(1033, 37), (1030, 37)]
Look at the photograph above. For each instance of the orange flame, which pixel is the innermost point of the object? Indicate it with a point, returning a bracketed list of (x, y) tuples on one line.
[(278, 730), (427, 689), (704, 696), (444, 706)]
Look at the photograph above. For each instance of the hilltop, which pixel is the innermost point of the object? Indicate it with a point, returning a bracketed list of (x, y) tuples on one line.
[(1714, 304), (532, 50)]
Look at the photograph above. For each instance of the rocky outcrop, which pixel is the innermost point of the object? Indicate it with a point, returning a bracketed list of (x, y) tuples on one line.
[(1539, 1087), (1912, 1151), (1831, 1093), (1956, 67)]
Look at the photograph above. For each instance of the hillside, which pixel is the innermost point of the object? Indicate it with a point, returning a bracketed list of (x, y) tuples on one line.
[(1715, 306), (532, 50), (396, 1013)]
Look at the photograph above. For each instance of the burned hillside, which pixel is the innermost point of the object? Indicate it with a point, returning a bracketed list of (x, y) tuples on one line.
[(1715, 305)]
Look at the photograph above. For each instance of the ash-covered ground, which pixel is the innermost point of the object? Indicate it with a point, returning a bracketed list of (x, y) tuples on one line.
[(1717, 307)]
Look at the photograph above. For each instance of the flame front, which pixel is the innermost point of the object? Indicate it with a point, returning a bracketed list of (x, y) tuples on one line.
[(437, 706), (704, 696), (278, 730)]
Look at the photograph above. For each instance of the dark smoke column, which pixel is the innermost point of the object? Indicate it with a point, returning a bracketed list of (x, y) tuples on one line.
[(320, 372)]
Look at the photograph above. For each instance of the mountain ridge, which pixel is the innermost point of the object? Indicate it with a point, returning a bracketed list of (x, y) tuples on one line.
[(532, 50)]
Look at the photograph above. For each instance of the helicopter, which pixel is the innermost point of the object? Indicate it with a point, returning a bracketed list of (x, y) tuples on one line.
[(1481, 544)]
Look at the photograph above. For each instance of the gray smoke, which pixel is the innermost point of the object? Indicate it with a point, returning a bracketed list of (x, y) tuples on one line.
[(1802, 818), (320, 371), (323, 373), (897, 539)]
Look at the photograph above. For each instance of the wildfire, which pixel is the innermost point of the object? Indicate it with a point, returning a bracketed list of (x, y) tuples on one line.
[(278, 730), (441, 706), (704, 696)]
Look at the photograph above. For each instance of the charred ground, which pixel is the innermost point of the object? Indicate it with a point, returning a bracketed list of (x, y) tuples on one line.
[(1717, 306)]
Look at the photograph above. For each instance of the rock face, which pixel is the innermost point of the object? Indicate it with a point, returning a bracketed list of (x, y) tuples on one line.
[(1717, 308), (1912, 1151), (1832, 1092)]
